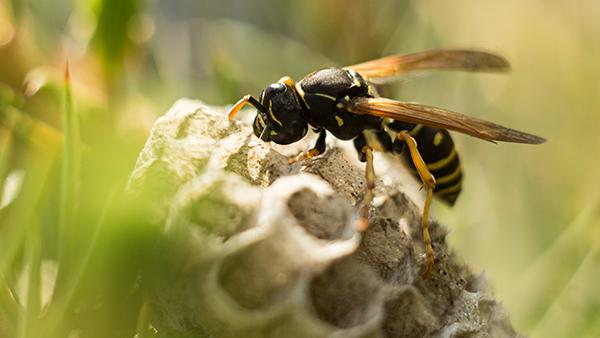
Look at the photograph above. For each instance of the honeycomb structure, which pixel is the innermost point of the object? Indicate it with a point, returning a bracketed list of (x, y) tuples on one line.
[(256, 247)]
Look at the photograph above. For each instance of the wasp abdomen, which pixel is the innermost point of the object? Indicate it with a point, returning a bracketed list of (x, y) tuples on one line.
[(439, 153)]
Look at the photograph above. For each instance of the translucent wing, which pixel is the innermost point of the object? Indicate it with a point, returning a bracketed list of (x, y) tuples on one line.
[(439, 118), (390, 68)]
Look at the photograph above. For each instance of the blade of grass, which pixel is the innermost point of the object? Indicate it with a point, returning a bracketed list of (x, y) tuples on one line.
[(44, 142), (23, 211), (62, 302), (71, 156), (20, 219), (29, 321), (112, 19)]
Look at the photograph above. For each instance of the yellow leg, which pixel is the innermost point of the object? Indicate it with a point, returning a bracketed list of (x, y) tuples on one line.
[(429, 183), (317, 150), (307, 155), (363, 221)]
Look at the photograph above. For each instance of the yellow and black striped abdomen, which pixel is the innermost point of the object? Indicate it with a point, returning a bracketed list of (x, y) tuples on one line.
[(438, 152)]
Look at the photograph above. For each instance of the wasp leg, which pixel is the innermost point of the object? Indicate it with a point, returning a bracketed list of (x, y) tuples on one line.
[(369, 141), (429, 183), (363, 221), (317, 150), (248, 99)]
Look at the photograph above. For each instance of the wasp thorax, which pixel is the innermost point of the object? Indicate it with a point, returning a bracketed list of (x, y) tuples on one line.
[(282, 120)]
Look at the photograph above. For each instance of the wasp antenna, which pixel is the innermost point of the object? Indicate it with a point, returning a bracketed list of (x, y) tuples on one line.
[(248, 99)]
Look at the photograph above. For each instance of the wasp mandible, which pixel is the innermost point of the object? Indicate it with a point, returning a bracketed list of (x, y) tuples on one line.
[(344, 101)]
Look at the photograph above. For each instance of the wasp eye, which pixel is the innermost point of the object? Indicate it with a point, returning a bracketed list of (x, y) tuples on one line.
[(277, 87)]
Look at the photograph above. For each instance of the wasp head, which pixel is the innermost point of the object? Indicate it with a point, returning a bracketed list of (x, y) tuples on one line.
[(282, 120)]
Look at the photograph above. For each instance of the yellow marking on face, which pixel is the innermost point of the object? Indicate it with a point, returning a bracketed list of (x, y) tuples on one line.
[(356, 82), (449, 190), (339, 120), (443, 162), (437, 138), (450, 177), (261, 121), (273, 115), (339, 105), (274, 133), (415, 130)]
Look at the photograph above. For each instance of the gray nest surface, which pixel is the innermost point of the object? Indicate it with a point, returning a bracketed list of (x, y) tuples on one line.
[(256, 247)]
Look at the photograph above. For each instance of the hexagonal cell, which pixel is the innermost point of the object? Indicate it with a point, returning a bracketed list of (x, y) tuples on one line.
[(347, 294), (323, 217)]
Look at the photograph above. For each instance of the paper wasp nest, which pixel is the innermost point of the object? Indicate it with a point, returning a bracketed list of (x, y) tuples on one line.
[(254, 247)]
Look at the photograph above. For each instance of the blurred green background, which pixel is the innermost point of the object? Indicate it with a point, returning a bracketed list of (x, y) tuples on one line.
[(529, 216)]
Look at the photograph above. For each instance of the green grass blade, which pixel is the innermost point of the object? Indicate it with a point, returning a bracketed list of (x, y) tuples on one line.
[(62, 303), (29, 322), (113, 18), (23, 210), (71, 156), (18, 226)]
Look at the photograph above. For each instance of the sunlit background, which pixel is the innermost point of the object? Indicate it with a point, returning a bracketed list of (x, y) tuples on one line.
[(529, 216)]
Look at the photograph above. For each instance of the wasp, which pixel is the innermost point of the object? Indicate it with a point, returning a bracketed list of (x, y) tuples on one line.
[(345, 103)]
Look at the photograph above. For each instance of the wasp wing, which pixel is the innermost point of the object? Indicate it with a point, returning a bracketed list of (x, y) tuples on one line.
[(390, 68), (439, 118)]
